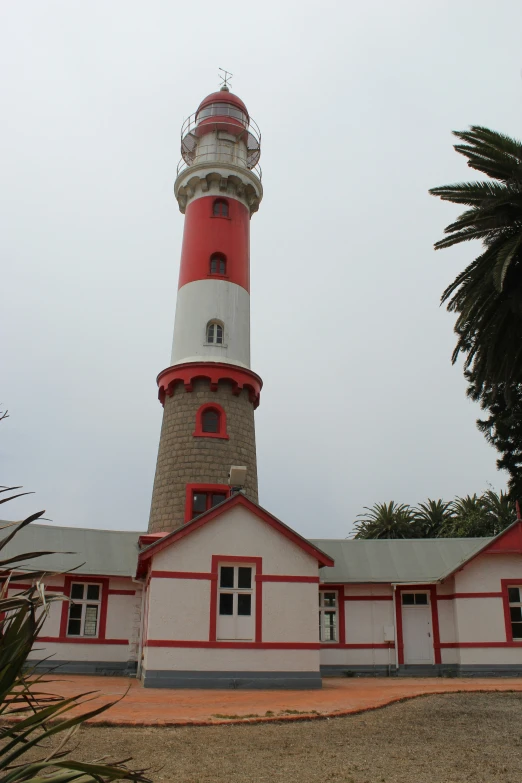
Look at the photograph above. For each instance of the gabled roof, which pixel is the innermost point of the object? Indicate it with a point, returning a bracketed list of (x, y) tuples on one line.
[(89, 551), (508, 541), (396, 559), (237, 499)]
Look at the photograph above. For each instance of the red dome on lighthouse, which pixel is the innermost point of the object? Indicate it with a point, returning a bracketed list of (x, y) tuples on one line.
[(223, 96)]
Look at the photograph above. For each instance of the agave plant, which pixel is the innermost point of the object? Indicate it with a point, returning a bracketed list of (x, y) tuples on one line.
[(30, 717)]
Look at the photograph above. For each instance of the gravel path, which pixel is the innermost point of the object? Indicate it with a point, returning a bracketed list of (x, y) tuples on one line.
[(435, 739)]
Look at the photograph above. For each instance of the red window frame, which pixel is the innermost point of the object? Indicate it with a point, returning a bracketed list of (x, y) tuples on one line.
[(222, 422), (208, 490)]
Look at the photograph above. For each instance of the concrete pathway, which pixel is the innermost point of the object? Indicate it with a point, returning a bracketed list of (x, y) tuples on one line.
[(339, 696)]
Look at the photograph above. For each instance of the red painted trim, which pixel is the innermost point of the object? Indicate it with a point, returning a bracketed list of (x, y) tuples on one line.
[(344, 646), (122, 592), (341, 615), (368, 597), (432, 589), (182, 575), (213, 372), (279, 578), (191, 488), (102, 625), (236, 500), (204, 236), (230, 645), (19, 586), (258, 562), (398, 627), (505, 583), (480, 645), (80, 640), (451, 596), (514, 531), (222, 422), (149, 538)]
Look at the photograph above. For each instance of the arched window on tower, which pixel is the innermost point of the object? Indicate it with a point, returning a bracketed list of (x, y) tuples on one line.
[(215, 333), (211, 422), (220, 208), (218, 264)]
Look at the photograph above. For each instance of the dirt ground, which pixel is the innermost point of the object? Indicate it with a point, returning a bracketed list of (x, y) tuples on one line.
[(435, 739)]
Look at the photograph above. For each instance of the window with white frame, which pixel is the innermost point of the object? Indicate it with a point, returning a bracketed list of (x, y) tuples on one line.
[(415, 599), (328, 616), (515, 611), (235, 602), (215, 333), (84, 609)]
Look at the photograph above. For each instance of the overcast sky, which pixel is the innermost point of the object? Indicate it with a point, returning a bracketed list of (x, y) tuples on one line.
[(356, 102)]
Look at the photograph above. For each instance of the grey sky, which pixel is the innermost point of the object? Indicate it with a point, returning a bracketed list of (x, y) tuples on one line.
[(356, 102)]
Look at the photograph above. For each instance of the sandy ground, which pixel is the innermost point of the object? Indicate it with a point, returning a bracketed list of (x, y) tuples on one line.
[(434, 739)]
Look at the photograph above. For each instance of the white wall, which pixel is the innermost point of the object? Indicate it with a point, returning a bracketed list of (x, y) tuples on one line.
[(205, 300)]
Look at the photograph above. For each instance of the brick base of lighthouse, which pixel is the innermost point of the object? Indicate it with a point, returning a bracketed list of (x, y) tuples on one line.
[(184, 458)]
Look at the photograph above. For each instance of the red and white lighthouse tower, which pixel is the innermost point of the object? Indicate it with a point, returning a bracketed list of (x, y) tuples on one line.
[(209, 392)]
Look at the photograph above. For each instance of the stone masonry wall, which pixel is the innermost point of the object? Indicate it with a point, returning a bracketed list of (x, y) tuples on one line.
[(184, 459)]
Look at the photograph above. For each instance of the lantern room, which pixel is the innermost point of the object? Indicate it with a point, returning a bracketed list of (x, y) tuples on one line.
[(221, 130)]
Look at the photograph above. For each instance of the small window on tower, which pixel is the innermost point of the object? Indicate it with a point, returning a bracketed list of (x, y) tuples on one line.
[(215, 333), (218, 264), (210, 421), (220, 208)]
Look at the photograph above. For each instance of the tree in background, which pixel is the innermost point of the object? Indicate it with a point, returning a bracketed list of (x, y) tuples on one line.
[(502, 428), (487, 295), (467, 517)]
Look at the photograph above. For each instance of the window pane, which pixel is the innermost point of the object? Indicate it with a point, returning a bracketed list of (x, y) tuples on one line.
[(213, 266), (91, 620), (217, 497), (516, 614), (408, 599), (517, 630), (219, 333), (75, 612), (226, 576), (217, 208), (210, 333), (329, 599), (210, 420), (77, 591), (199, 502), (74, 627), (244, 604), (225, 603), (244, 578), (514, 595), (421, 598), (221, 267), (93, 592)]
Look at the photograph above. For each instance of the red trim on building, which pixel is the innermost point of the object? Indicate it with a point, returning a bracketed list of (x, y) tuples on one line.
[(341, 615), (224, 559), (480, 645), (280, 578), (207, 488), (231, 645), (102, 625), (214, 372), (237, 499), (507, 614), (122, 592), (432, 589), (182, 575), (150, 538), (383, 646), (205, 236), (48, 588), (451, 596), (511, 539), (80, 640), (222, 419)]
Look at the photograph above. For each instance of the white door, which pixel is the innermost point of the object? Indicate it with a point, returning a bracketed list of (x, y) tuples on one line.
[(416, 628)]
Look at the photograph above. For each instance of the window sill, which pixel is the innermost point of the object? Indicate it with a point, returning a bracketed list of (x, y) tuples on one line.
[(220, 435), (215, 345), (220, 217), (212, 276)]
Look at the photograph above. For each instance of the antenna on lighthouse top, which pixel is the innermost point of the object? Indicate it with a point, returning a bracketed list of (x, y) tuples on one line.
[(225, 79)]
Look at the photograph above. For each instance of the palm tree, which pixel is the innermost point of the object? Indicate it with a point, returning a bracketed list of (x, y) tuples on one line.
[(386, 520), (433, 517), (487, 295)]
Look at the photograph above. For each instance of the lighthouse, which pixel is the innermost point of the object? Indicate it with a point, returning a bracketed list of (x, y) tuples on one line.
[(209, 392)]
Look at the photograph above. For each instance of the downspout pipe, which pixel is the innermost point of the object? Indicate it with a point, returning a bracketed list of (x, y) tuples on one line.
[(139, 667)]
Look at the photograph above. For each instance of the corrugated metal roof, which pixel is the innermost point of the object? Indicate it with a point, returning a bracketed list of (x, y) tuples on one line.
[(110, 552), (395, 560)]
